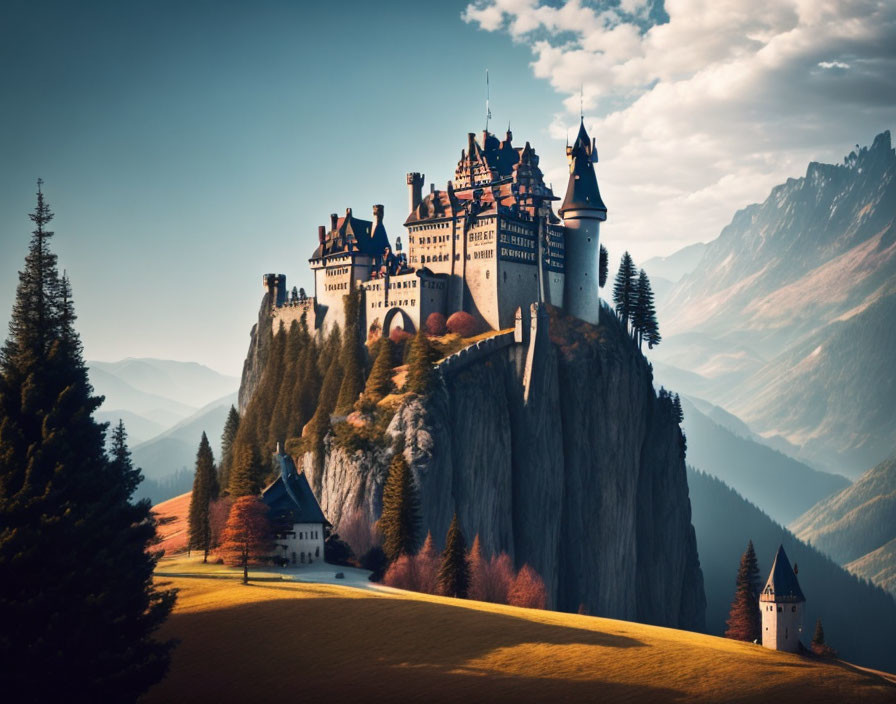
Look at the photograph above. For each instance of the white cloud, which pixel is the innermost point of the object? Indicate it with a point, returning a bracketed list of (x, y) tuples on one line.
[(701, 115)]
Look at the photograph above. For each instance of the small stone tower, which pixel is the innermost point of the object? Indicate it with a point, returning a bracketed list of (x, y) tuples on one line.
[(582, 212), (781, 603)]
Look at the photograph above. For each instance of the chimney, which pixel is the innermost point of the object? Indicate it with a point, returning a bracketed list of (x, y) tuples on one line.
[(333, 219), (432, 188), (471, 140), (377, 216), (321, 234), (415, 187)]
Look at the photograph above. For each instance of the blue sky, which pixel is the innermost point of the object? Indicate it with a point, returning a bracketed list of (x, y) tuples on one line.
[(190, 147)]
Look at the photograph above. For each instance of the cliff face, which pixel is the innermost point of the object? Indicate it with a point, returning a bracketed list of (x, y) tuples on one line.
[(559, 453), (259, 344)]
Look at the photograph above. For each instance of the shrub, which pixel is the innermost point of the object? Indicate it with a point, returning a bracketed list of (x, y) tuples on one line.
[(528, 590), (435, 324), (402, 574), (399, 335), (375, 561), (337, 551), (463, 324)]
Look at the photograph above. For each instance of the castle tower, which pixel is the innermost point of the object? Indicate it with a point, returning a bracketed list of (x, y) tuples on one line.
[(582, 212), (781, 603)]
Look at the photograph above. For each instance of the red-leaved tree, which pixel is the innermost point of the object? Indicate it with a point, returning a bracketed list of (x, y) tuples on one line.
[(435, 324), (218, 511), (528, 590), (247, 535), (428, 567), (463, 324), (399, 335), (402, 573)]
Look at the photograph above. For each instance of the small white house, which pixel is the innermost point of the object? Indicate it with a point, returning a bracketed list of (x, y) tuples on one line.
[(781, 603), (295, 515)]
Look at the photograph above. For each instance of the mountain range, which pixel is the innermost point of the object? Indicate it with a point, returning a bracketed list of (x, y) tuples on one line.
[(166, 405), (857, 526), (785, 319)]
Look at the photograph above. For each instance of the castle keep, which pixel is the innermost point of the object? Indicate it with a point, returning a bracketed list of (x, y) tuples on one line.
[(488, 244)]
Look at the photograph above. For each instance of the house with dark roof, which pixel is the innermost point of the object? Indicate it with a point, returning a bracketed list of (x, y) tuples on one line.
[(295, 515), (781, 603)]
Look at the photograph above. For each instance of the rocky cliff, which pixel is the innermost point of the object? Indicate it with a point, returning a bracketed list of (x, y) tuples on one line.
[(557, 451)]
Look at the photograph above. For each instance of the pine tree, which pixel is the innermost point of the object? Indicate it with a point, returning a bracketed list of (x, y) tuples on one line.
[(77, 599), (231, 426), (744, 620), (379, 383), (421, 373), (319, 424), (818, 638), (205, 490), (454, 573), (640, 313), (400, 519), (247, 471), (676, 407), (603, 267), (352, 362), (650, 327), (625, 289)]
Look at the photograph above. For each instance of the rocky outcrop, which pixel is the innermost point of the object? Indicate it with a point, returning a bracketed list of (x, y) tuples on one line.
[(558, 452), (259, 345)]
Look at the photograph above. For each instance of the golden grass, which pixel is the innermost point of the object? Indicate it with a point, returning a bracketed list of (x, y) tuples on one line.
[(285, 641)]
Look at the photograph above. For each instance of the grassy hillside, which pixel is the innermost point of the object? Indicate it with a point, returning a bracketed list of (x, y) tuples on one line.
[(287, 641), (879, 566), (859, 618), (856, 520)]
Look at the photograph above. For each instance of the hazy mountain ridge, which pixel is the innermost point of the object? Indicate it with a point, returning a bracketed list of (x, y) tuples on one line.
[(783, 487), (856, 522), (859, 618), (786, 316)]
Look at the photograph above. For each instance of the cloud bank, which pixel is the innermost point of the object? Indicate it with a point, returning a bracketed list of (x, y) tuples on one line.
[(699, 107)]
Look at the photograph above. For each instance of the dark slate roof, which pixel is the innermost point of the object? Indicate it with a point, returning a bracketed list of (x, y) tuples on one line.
[(353, 235), (582, 192), (290, 498), (782, 584)]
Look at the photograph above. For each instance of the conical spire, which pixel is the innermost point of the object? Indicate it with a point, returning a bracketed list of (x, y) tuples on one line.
[(582, 192), (782, 584)]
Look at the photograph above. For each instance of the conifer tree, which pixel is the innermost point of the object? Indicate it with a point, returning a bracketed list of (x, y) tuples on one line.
[(454, 573), (231, 426), (603, 267), (326, 404), (351, 356), (379, 383), (286, 395), (744, 620), (400, 519), (205, 490), (625, 289), (422, 357), (647, 324), (818, 638), (676, 407), (247, 471), (77, 603)]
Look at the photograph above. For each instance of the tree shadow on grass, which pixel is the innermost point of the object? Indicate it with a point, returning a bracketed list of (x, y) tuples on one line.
[(378, 649)]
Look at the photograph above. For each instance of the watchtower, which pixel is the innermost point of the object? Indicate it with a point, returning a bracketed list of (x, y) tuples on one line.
[(781, 603)]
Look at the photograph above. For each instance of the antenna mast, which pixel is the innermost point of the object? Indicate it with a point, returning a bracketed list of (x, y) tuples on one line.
[(488, 110)]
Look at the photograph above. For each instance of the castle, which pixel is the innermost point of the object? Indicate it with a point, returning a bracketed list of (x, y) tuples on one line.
[(488, 244)]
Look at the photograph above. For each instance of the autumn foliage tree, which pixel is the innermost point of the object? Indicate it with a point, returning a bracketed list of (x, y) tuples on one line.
[(528, 590), (436, 324), (744, 620), (248, 537)]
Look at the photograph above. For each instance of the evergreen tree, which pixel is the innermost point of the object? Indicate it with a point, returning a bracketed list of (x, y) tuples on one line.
[(421, 373), (319, 424), (231, 426), (744, 620), (379, 383), (205, 490), (351, 355), (400, 519), (676, 407), (247, 472), (603, 267), (77, 603), (625, 289), (454, 573), (287, 398), (649, 329), (818, 638)]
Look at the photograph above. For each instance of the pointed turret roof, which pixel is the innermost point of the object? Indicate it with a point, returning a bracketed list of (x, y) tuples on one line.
[(582, 192), (782, 584), (289, 497)]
